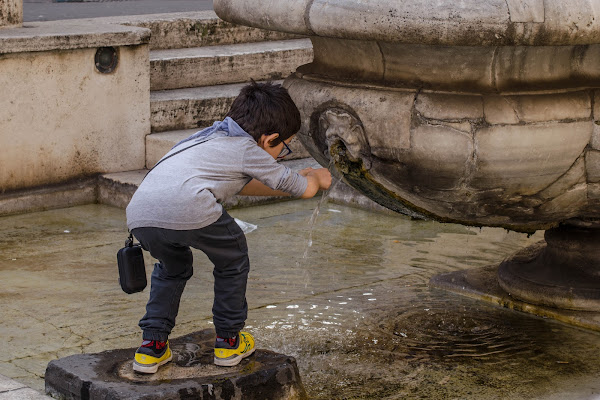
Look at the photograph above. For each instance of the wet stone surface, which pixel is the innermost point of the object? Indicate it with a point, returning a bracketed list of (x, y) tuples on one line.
[(354, 309), (191, 374)]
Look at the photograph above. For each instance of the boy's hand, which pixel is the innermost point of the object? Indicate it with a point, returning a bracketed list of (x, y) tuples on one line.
[(318, 179), (305, 171), (323, 177)]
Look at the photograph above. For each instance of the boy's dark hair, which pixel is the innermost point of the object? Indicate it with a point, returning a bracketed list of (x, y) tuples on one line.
[(266, 108)]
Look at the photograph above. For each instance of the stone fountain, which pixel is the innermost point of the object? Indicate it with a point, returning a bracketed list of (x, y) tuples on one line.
[(478, 112)]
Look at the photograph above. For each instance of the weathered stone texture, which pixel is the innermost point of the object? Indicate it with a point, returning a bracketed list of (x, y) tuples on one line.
[(524, 159), (526, 11), (534, 67), (465, 67), (594, 191), (190, 108), (595, 142), (214, 65), (471, 22), (11, 13), (374, 109), (537, 108), (282, 16), (459, 68), (574, 176), (566, 205), (439, 156), (499, 110), (449, 107), (46, 139), (592, 166), (69, 35), (191, 374), (330, 57)]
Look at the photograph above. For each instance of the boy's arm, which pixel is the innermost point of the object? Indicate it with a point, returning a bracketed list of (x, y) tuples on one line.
[(257, 188), (317, 179)]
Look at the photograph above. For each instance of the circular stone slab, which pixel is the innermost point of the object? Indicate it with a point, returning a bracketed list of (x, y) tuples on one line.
[(191, 374)]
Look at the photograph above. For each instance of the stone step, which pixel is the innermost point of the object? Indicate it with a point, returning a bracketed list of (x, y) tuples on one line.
[(158, 144), (215, 65), (193, 29), (116, 189), (189, 108)]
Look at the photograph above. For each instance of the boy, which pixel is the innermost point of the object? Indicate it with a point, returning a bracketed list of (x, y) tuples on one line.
[(177, 206)]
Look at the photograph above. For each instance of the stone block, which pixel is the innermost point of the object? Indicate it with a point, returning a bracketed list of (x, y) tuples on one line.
[(499, 110), (384, 114), (574, 176), (408, 22), (526, 10), (439, 156), (537, 108), (191, 374), (525, 159), (449, 106), (594, 191), (567, 205), (571, 21), (193, 29), (595, 141), (62, 118), (281, 16), (592, 166), (460, 68), (159, 144), (519, 68), (69, 35), (596, 94), (191, 108), (464, 23), (233, 63), (347, 59), (459, 126), (49, 197)]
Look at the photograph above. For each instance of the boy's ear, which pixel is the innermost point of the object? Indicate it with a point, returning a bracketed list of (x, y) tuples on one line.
[(266, 139)]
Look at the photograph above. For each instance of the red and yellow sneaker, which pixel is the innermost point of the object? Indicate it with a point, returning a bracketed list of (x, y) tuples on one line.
[(151, 355), (230, 352)]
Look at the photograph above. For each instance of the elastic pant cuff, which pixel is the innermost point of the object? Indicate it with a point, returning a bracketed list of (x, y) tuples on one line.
[(154, 335), (226, 335)]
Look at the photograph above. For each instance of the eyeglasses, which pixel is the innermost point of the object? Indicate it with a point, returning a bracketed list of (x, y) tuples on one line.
[(285, 151)]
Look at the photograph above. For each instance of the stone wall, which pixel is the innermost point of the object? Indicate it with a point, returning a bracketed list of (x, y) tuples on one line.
[(60, 117), (11, 13)]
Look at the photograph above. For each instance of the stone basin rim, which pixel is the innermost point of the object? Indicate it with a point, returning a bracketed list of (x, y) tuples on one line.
[(490, 23), (313, 77)]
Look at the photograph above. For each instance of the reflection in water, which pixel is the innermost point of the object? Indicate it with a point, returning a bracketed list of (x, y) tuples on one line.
[(367, 326)]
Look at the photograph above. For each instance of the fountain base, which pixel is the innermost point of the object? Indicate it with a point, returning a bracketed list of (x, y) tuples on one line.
[(191, 374), (563, 272), (482, 284)]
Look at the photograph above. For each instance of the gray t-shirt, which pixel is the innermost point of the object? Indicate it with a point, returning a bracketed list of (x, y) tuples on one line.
[(185, 191)]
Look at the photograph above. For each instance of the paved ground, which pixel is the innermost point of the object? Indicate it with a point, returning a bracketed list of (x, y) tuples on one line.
[(45, 10), (13, 390)]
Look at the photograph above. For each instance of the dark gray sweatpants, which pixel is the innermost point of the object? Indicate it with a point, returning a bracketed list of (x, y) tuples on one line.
[(225, 245)]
